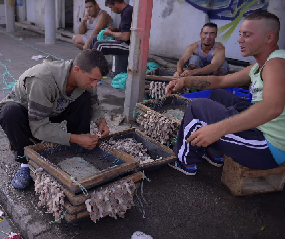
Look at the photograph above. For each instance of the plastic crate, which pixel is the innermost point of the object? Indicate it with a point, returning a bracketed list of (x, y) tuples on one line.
[(206, 93)]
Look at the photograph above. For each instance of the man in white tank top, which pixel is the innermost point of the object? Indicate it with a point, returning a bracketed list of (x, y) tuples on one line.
[(92, 23)]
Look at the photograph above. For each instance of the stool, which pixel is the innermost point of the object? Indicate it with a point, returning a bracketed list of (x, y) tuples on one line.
[(246, 181)]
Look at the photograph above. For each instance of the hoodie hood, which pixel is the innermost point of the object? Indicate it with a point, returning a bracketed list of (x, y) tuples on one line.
[(60, 71)]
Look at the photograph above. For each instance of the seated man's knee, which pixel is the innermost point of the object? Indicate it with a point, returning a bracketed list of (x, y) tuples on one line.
[(9, 112), (198, 103), (74, 39), (195, 62), (86, 97), (220, 72), (192, 67), (216, 93)]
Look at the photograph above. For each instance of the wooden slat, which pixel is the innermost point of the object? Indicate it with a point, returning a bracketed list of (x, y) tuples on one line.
[(165, 78), (73, 210), (248, 172)]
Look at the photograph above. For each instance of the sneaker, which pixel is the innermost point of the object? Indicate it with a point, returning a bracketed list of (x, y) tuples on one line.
[(22, 178), (216, 161), (184, 168)]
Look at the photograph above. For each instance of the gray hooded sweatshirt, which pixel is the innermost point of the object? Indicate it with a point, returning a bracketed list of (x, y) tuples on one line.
[(42, 91)]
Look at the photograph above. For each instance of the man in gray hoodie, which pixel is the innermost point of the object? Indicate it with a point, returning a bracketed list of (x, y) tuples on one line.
[(47, 94)]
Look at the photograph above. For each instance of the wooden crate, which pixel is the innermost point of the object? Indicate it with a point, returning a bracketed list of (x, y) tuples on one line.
[(161, 74), (87, 182), (75, 204), (142, 108), (158, 75), (246, 181), (156, 145)]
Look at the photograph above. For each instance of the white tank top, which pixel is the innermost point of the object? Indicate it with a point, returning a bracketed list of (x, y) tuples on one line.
[(90, 27)]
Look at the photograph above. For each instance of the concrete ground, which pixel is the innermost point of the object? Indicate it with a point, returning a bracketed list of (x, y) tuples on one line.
[(176, 206)]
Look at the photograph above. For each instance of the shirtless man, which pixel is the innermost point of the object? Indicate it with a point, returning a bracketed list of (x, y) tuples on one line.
[(93, 22), (207, 57), (251, 133)]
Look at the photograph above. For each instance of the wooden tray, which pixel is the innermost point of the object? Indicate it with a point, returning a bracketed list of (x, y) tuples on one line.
[(154, 148), (142, 108), (128, 164)]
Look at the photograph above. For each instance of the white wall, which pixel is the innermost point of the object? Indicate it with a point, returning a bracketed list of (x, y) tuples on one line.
[(174, 26), (40, 13), (277, 7), (2, 14)]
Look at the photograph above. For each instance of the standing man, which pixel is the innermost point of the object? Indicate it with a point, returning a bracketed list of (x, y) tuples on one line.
[(207, 57), (47, 94), (120, 46), (252, 134), (93, 22)]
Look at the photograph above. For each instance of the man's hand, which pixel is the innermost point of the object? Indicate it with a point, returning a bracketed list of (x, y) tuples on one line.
[(187, 73), (85, 47), (108, 31), (174, 85), (86, 17), (86, 141), (113, 29), (103, 127), (206, 135), (177, 74)]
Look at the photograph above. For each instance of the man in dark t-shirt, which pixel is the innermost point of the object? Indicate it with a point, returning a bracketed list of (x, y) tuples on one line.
[(120, 46)]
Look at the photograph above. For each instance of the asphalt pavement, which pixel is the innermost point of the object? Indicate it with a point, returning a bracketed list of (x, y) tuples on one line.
[(176, 206)]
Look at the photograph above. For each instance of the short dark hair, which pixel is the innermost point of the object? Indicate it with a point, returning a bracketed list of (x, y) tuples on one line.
[(210, 24), (91, 58), (93, 1), (112, 2)]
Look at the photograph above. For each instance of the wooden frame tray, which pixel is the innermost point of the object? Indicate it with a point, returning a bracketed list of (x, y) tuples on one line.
[(142, 108), (127, 163), (155, 148)]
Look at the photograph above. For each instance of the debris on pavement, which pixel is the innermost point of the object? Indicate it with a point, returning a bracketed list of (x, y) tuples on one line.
[(140, 235), (36, 58)]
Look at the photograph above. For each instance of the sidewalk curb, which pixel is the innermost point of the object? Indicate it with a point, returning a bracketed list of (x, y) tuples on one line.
[(29, 227)]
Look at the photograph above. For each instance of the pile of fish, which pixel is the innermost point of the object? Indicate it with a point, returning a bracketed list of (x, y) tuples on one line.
[(130, 146), (157, 89), (112, 200), (157, 127), (51, 194)]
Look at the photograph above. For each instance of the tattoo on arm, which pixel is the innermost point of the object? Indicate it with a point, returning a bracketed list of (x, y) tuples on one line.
[(199, 84)]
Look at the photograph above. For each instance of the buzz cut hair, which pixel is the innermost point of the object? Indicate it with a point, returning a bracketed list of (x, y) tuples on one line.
[(264, 14), (89, 59), (211, 25), (112, 2)]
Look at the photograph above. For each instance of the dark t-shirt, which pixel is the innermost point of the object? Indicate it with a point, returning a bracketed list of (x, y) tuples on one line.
[(126, 20)]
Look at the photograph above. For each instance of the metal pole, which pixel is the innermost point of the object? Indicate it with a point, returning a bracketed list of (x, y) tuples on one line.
[(139, 47), (10, 16), (50, 22)]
